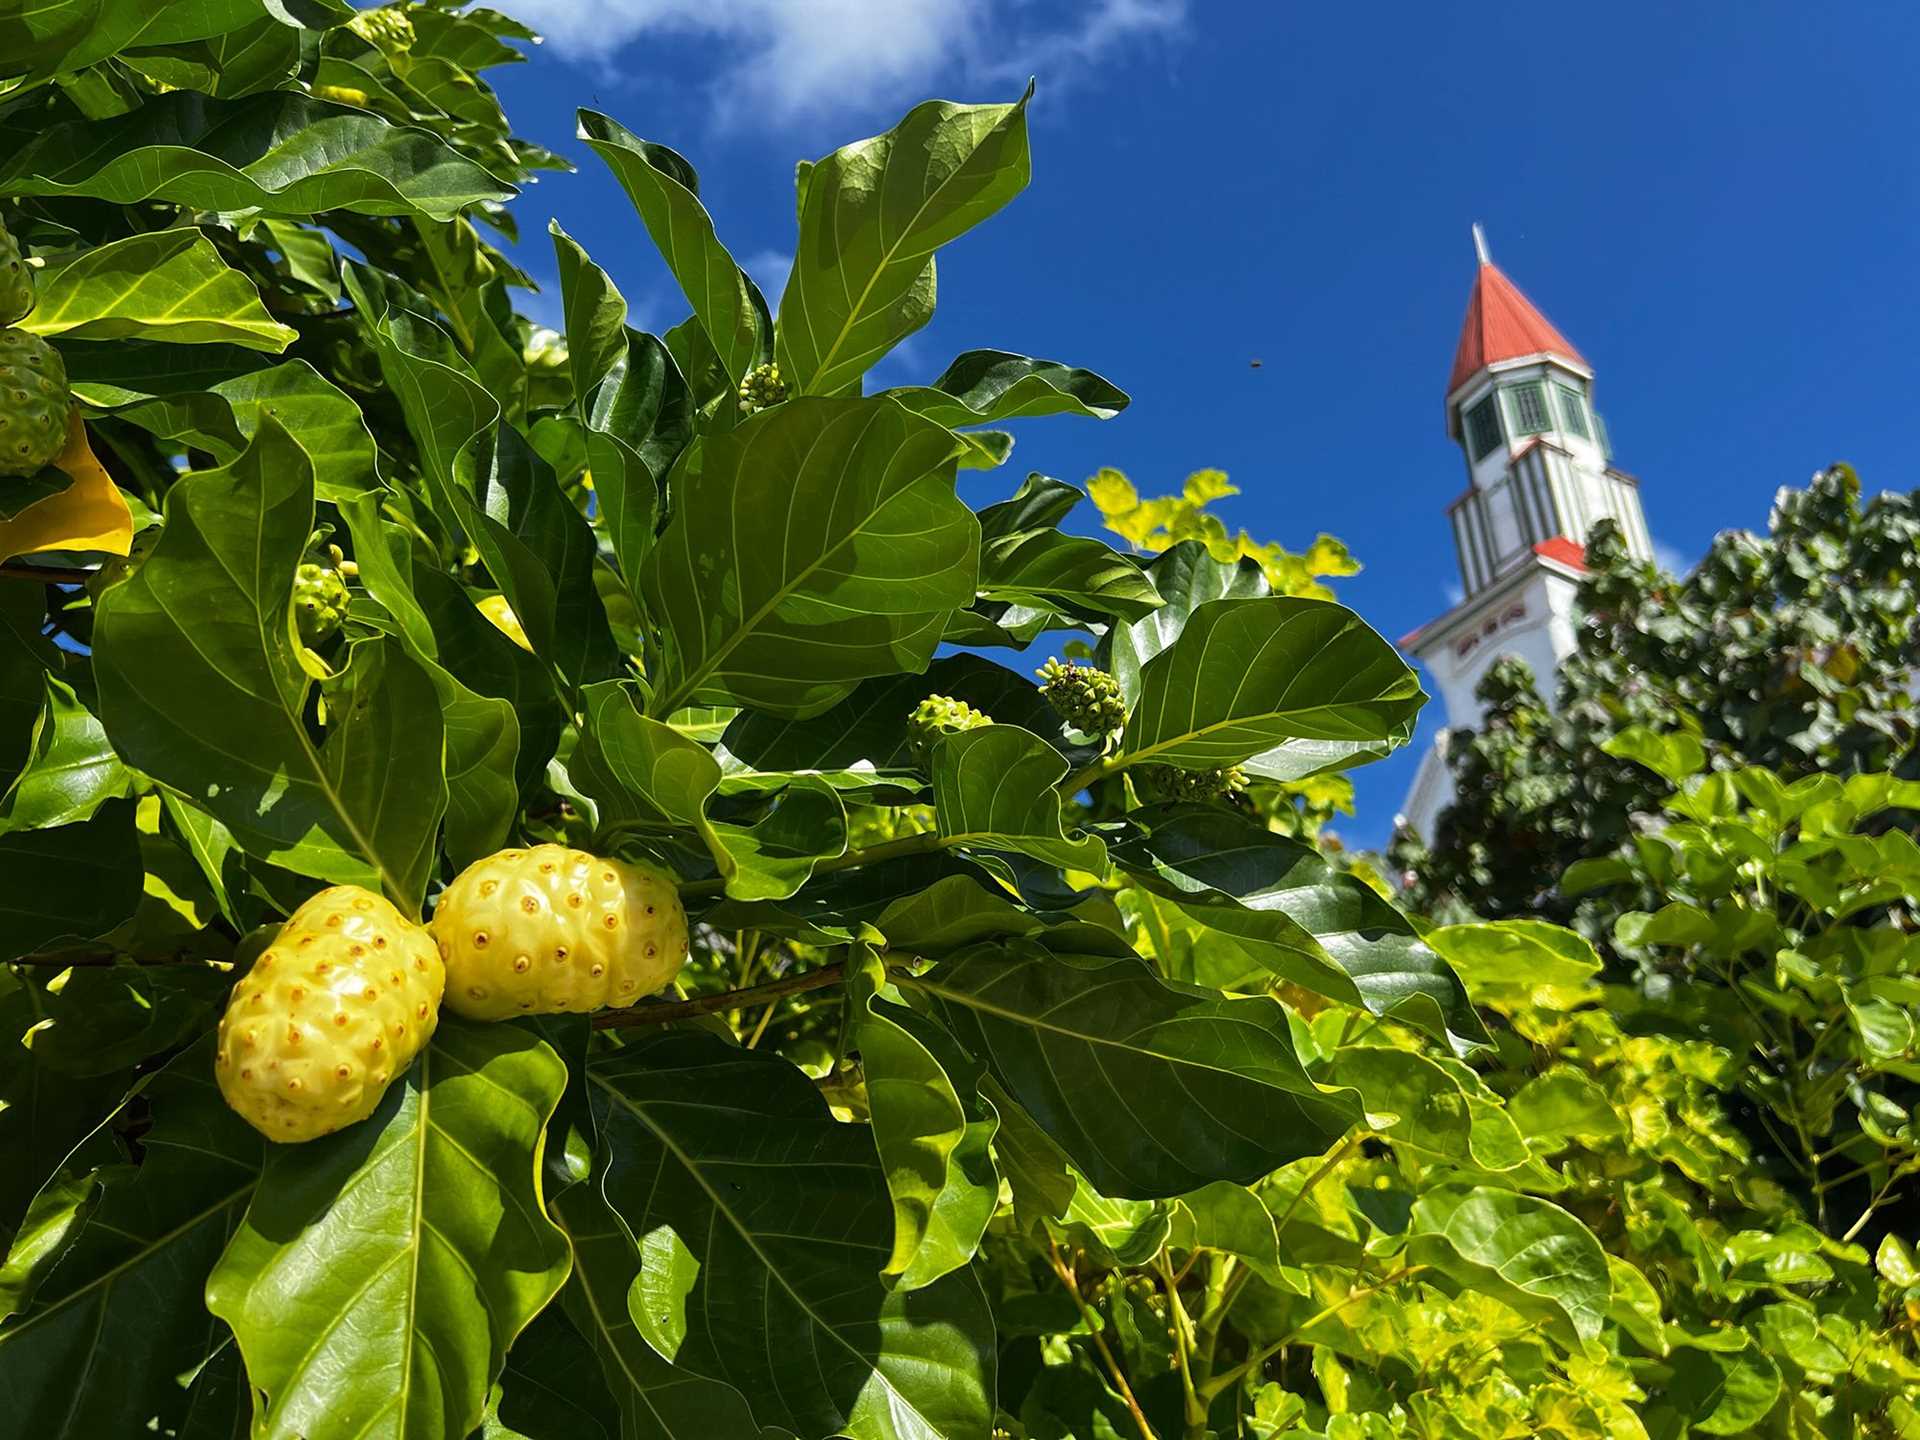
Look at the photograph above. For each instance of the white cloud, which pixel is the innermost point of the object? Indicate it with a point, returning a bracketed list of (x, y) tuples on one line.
[(805, 58), (1671, 559)]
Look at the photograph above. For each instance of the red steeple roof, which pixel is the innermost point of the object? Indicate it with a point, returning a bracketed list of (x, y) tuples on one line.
[(1502, 324)]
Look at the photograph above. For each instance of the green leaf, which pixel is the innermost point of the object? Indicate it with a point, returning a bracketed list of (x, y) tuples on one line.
[(1673, 757), (69, 34), (69, 883), (694, 1126), (983, 386), (1229, 1218), (859, 550), (665, 190), (1511, 963), (1025, 561), (202, 687), (657, 1401), (871, 216), (1152, 1089), (1292, 910), (282, 153), (869, 727), (916, 1112), (595, 311), (120, 1318), (640, 420), (1185, 577), (1721, 1388), (438, 1250), (1409, 1098), (1675, 923), (995, 788), (72, 770), (1527, 1253), (166, 285), (224, 418), (1248, 676), (1562, 1105), (551, 1386)]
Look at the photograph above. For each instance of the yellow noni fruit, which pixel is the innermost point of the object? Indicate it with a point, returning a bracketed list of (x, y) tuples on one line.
[(330, 1015), (550, 929)]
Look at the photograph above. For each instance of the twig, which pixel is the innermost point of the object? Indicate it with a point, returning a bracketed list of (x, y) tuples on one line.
[(1087, 1318), (660, 1014)]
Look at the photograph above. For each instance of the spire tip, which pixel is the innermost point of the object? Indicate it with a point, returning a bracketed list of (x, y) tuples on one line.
[(1480, 244)]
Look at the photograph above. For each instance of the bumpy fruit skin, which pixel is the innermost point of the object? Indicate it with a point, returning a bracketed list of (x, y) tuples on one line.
[(329, 1016), (551, 929), (319, 603), (1087, 699), (34, 400), (16, 282), (1169, 782), (937, 716), (761, 387)]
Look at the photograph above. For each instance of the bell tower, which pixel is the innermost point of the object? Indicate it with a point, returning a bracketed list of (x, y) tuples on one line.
[(1540, 473)]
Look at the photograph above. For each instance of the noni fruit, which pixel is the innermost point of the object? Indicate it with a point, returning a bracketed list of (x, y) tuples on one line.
[(937, 716), (1169, 782), (16, 282), (33, 403), (761, 387), (1087, 699), (550, 929), (329, 1016), (319, 603)]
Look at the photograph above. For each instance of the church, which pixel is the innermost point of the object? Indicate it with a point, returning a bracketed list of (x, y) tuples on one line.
[(1540, 473)]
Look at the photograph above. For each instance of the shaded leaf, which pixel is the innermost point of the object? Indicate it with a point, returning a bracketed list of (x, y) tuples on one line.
[(995, 787), (69, 883), (983, 386)]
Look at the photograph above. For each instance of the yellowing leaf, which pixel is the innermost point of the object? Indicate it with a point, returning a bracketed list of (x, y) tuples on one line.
[(89, 514)]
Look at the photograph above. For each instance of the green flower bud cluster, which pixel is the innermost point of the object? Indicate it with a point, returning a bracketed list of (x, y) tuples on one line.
[(937, 716), (1087, 699), (1170, 782), (387, 26), (319, 603), (762, 387)]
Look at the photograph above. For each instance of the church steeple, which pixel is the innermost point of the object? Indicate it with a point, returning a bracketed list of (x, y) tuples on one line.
[(1540, 473)]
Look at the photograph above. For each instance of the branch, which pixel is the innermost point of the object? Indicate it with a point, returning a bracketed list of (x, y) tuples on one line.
[(665, 1011)]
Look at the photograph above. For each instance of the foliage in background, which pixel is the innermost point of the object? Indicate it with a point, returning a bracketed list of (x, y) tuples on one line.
[(997, 1096)]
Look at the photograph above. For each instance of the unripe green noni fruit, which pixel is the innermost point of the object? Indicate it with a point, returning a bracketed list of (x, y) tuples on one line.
[(762, 387), (939, 715), (329, 1016), (34, 401), (16, 282), (549, 929), (1170, 782), (1087, 699), (319, 603)]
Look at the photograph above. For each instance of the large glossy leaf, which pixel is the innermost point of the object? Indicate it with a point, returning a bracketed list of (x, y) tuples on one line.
[(120, 1318), (595, 314), (538, 547), (817, 544), (655, 1400), (869, 727), (1247, 676), (1284, 904), (283, 153), (381, 1272), (666, 192), (166, 285), (995, 788), (914, 1102), (202, 687), (72, 770), (1525, 1252), (68, 34), (871, 216), (1152, 1089), (69, 883), (983, 386), (1185, 576), (698, 1129), (551, 1387), (223, 418)]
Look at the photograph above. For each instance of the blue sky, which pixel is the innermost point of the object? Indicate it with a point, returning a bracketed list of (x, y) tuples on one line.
[(1718, 204)]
